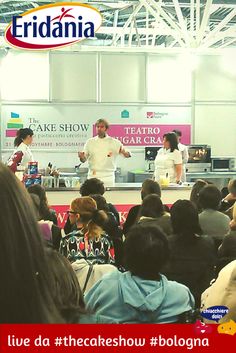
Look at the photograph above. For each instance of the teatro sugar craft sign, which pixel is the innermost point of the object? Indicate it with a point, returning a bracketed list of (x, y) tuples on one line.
[(53, 26)]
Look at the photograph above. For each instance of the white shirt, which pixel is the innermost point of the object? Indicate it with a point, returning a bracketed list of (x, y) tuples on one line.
[(184, 152), (165, 164), (101, 154), (27, 154)]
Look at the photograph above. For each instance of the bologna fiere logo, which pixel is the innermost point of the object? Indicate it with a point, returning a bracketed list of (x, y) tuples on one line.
[(53, 26)]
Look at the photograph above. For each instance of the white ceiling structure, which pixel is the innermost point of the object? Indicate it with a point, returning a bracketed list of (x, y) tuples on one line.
[(150, 25)]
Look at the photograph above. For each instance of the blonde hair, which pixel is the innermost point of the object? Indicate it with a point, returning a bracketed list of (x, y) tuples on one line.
[(91, 218)]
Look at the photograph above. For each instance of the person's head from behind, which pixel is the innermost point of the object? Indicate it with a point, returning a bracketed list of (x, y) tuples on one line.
[(232, 187), (170, 141), (83, 211), (145, 250), (184, 219), (25, 295), (91, 187), (152, 206), (178, 134), (24, 135), (39, 190), (67, 294), (101, 202), (102, 126), (210, 197), (197, 187), (36, 205), (150, 186)]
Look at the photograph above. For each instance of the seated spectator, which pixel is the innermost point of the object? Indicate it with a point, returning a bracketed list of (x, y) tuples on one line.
[(67, 294), (89, 240), (92, 186), (143, 294), (152, 209), (46, 213), (212, 222), (88, 274), (50, 231), (25, 294), (229, 200), (222, 292), (149, 186), (95, 186), (111, 228), (194, 196), (227, 250), (192, 255)]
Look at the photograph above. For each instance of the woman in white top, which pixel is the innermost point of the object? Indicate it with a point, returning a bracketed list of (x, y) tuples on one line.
[(168, 162), (22, 142)]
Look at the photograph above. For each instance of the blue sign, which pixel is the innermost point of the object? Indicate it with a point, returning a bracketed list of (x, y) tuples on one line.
[(125, 114), (215, 313)]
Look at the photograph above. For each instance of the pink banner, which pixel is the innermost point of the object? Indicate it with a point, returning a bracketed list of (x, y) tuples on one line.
[(62, 215), (123, 211), (11, 133), (146, 135)]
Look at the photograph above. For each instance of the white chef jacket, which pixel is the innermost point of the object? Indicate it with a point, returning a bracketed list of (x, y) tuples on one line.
[(101, 154), (185, 156), (27, 154), (165, 164)]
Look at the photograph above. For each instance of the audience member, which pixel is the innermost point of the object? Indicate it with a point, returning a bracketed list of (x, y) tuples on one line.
[(222, 292), (149, 186), (51, 233), (227, 250), (192, 255), (25, 295), (67, 294), (111, 228), (141, 295), (46, 213), (92, 186), (89, 240), (212, 222), (88, 274), (229, 200), (152, 209), (194, 196)]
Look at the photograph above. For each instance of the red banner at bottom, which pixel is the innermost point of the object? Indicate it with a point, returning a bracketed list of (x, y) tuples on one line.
[(113, 338)]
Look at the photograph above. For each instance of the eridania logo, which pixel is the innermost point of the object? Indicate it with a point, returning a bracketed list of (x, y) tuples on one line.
[(53, 26)]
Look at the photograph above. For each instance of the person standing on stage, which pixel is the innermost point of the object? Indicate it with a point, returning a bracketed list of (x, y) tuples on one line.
[(184, 152), (101, 152)]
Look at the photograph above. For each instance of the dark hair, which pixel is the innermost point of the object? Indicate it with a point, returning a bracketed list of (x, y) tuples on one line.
[(102, 121), (36, 205), (197, 187), (145, 250), (25, 295), (232, 186), (67, 294), (91, 187), (172, 139), (21, 135), (177, 132), (44, 210), (210, 197), (92, 219), (150, 186), (101, 202), (151, 206), (184, 219)]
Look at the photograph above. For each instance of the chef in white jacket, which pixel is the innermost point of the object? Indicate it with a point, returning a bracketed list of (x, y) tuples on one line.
[(101, 152)]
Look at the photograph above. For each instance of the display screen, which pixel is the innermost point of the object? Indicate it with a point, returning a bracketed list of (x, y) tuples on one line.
[(220, 164), (151, 152), (199, 154)]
